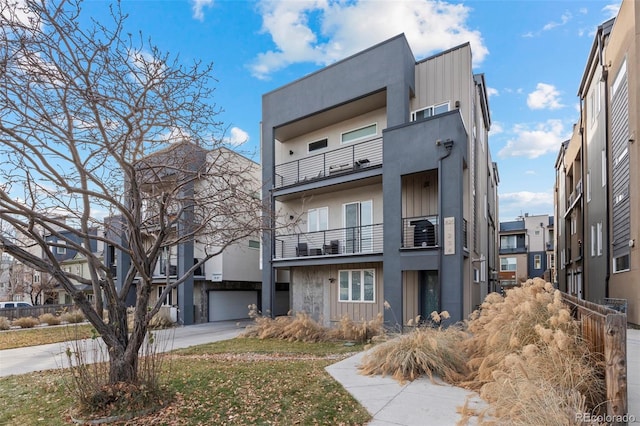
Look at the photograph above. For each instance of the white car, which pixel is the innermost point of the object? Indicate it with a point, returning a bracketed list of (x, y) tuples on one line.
[(15, 304)]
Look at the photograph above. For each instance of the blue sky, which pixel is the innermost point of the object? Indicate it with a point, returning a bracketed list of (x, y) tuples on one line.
[(532, 53)]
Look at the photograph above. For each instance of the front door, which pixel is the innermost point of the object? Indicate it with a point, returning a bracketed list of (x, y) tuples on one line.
[(429, 293)]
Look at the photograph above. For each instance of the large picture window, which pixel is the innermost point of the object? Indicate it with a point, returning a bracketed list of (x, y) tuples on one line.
[(318, 219), (357, 285)]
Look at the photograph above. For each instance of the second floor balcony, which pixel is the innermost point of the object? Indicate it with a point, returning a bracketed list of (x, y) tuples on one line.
[(342, 241), (348, 159)]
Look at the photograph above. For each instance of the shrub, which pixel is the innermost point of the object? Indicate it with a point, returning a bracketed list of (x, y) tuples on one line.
[(303, 328), (73, 317), (424, 351), (26, 322), (161, 320), (360, 332), (5, 324), (49, 319)]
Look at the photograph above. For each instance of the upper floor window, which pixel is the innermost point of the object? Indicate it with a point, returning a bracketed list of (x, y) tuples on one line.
[(360, 133), (321, 144), (254, 244), (508, 264), (508, 242), (429, 111), (318, 219), (537, 261), (61, 250), (621, 263)]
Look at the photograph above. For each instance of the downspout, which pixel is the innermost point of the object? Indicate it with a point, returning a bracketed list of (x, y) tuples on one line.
[(604, 79), (448, 144)]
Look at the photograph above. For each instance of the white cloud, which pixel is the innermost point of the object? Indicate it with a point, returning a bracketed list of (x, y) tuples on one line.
[(492, 92), (611, 10), (237, 137), (496, 128), (545, 138), (566, 17), (198, 7), (322, 31), (546, 96), (514, 204)]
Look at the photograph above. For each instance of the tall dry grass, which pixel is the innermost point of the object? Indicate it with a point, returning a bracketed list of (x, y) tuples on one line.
[(521, 352), (426, 351), (301, 327)]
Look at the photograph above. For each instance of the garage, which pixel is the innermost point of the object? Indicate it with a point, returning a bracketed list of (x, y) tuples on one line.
[(230, 305)]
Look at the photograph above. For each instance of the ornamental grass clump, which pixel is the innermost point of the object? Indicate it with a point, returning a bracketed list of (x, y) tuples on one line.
[(5, 324), (358, 331), (49, 319), (25, 322), (293, 327), (424, 351), (526, 357)]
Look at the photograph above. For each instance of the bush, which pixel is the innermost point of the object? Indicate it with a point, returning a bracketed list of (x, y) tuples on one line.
[(424, 351), (302, 327), (72, 317), (26, 322), (161, 320), (5, 324), (49, 319)]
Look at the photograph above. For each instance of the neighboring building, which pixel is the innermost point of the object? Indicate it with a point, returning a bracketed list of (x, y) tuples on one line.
[(597, 172), (225, 285), (526, 250), (379, 167)]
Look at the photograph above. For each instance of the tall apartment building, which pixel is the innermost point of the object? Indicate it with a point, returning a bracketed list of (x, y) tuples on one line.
[(597, 177), (526, 250), (378, 173)]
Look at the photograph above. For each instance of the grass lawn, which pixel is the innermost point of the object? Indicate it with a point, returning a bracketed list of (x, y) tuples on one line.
[(22, 338), (234, 382)]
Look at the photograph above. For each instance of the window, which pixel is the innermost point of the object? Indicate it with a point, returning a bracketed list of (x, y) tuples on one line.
[(321, 144), (476, 275), (357, 285), (318, 219), (254, 244), (508, 264), (599, 239), (169, 300), (508, 242), (61, 250), (593, 240), (358, 218), (603, 165), (430, 111), (537, 262), (361, 133), (588, 185), (621, 263), (36, 278)]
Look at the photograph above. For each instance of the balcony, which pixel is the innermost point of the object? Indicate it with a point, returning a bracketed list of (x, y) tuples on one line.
[(420, 232), (334, 242), (348, 159), (514, 250)]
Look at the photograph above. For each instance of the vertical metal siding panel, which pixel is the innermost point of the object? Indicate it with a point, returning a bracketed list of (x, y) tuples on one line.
[(410, 296)]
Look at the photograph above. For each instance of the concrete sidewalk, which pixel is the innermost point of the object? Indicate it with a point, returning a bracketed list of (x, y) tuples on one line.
[(47, 357)]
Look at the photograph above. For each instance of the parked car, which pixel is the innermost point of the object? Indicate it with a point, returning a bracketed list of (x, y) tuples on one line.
[(15, 304)]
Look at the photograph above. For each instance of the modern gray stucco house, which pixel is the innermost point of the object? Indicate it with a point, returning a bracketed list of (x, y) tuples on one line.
[(381, 186)]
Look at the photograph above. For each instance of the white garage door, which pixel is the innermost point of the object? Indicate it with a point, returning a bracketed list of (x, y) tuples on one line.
[(230, 305)]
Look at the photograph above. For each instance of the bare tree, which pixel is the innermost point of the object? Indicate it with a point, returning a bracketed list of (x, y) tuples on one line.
[(94, 123)]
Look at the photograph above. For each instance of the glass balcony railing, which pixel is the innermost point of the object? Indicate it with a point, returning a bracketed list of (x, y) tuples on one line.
[(351, 158)]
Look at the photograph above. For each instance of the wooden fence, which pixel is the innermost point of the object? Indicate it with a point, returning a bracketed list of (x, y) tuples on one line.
[(605, 330), (34, 311)]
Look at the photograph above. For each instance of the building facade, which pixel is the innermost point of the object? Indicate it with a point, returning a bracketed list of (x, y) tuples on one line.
[(526, 250), (382, 191), (224, 285), (597, 172)]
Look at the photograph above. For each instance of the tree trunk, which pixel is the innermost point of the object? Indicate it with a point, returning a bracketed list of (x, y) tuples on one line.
[(122, 368)]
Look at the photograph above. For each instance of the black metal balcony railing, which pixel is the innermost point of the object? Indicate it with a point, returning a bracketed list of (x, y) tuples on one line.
[(338, 161), (342, 241), (420, 231), (513, 250), (173, 269)]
